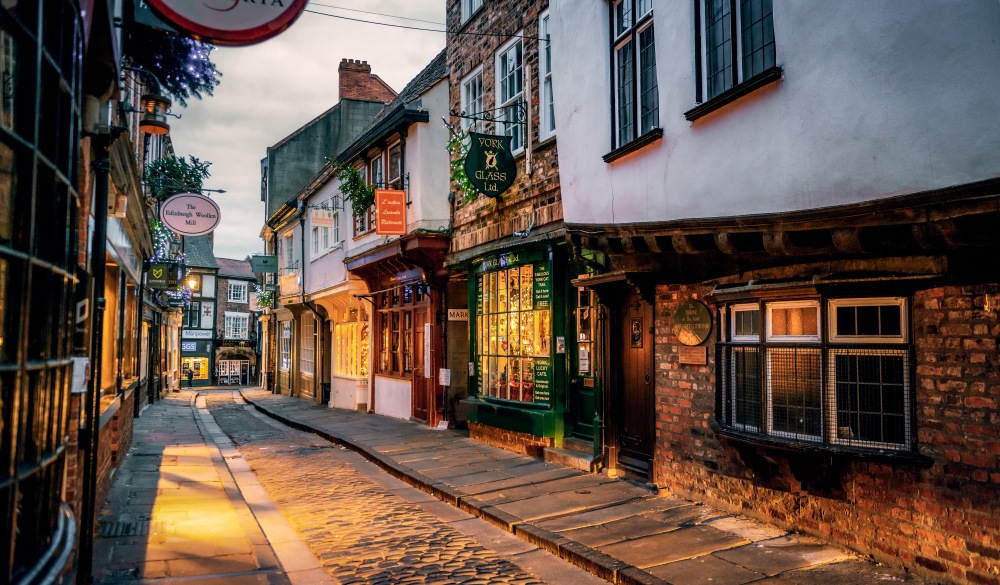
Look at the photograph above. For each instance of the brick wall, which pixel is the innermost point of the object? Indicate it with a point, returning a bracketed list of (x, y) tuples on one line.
[(510, 440), (358, 83), (534, 198), (74, 457), (942, 522)]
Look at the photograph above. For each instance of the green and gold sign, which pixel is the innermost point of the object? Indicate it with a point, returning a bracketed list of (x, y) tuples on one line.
[(163, 275), (489, 164)]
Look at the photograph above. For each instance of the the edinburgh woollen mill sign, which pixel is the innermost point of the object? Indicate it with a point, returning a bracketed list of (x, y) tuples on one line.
[(190, 214), (230, 22), (489, 164)]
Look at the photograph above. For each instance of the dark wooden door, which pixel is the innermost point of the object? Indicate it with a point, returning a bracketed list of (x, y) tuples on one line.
[(635, 413), (422, 386)]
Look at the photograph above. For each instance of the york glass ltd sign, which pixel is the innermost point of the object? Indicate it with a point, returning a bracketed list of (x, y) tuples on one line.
[(229, 22), (489, 164), (190, 214)]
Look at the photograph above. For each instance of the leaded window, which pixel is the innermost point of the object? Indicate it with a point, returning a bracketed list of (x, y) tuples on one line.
[(307, 353), (547, 113), (737, 42), (636, 93), (472, 99)]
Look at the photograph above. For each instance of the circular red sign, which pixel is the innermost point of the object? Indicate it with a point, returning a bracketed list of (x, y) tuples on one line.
[(230, 22)]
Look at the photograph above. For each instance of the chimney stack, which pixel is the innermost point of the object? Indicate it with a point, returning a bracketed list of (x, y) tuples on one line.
[(357, 82)]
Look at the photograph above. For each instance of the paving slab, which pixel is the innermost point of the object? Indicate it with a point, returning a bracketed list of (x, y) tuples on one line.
[(685, 543), (704, 570)]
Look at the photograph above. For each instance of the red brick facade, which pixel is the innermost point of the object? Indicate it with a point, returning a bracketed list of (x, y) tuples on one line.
[(510, 440), (942, 521), (534, 199), (357, 82)]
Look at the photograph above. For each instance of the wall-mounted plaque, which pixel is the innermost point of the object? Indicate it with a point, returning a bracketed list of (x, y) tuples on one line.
[(692, 323)]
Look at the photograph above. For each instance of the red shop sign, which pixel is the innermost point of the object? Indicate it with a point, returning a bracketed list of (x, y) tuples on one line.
[(390, 212), (230, 22)]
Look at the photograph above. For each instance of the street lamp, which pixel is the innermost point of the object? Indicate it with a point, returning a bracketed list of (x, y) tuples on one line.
[(154, 110)]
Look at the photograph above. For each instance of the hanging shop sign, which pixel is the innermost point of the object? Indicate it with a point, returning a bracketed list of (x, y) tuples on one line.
[(692, 323), (229, 22), (190, 214), (390, 212), (489, 164), (265, 264), (164, 275)]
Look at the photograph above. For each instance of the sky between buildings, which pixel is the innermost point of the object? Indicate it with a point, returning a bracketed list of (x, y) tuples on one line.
[(270, 89)]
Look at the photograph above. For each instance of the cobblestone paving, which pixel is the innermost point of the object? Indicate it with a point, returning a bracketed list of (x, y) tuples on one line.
[(360, 531)]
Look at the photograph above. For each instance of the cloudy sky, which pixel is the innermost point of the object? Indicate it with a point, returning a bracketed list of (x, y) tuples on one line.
[(270, 89)]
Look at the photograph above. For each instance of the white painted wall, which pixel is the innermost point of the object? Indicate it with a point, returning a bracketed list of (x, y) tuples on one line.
[(327, 269), (879, 98), (393, 397), (428, 165)]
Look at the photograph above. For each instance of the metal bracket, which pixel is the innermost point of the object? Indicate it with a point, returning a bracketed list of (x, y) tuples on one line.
[(497, 115)]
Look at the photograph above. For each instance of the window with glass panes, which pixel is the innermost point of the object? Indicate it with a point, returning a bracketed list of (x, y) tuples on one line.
[(547, 113), (636, 93), (238, 292), (192, 316), (469, 7), (395, 328), (510, 92), (395, 166), (285, 345), (41, 44), (791, 371), (351, 334), (307, 355), (513, 333), (472, 99), (237, 325), (737, 42)]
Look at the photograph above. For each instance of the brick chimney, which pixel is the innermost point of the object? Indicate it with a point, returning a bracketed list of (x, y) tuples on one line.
[(357, 82)]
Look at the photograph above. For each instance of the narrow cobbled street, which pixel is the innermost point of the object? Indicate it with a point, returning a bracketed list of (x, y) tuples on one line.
[(367, 527), (362, 525)]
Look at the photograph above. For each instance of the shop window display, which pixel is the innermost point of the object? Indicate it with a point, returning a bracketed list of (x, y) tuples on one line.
[(514, 333)]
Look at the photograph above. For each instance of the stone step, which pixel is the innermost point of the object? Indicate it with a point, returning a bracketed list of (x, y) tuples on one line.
[(578, 445), (570, 459)]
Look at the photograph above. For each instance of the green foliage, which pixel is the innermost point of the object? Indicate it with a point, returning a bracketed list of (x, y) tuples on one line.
[(264, 297), (458, 148), (354, 189), (182, 64), (172, 175)]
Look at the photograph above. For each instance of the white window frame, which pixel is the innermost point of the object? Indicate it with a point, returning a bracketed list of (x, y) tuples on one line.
[(394, 182), (238, 292), (348, 338), (336, 229), (546, 119), (237, 325), (515, 129), (287, 242), (377, 171), (836, 337), (469, 8), (307, 349), (814, 304), (472, 104), (733, 309), (315, 241), (833, 434), (285, 347)]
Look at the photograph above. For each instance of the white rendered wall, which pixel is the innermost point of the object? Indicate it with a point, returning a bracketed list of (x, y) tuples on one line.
[(879, 98), (427, 163), (393, 397), (327, 269)]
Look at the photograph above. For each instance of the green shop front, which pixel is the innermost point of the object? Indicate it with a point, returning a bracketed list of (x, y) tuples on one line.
[(520, 341)]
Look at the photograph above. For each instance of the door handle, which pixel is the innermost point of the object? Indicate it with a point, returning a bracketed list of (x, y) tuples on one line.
[(647, 378)]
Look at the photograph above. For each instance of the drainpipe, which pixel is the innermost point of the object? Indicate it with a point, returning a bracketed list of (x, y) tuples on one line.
[(91, 438)]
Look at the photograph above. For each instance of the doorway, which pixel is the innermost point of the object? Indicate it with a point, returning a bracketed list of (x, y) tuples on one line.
[(635, 412)]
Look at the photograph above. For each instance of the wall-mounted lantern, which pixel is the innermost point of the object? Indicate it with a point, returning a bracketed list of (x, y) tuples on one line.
[(154, 110)]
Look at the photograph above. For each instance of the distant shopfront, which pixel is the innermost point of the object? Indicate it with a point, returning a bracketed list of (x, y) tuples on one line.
[(196, 355)]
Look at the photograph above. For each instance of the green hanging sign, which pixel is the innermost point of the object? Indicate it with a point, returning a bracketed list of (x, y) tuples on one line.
[(163, 275), (489, 164)]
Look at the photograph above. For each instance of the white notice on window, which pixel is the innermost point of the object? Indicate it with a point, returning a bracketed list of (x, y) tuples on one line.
[(444, 377), (81, 374)]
